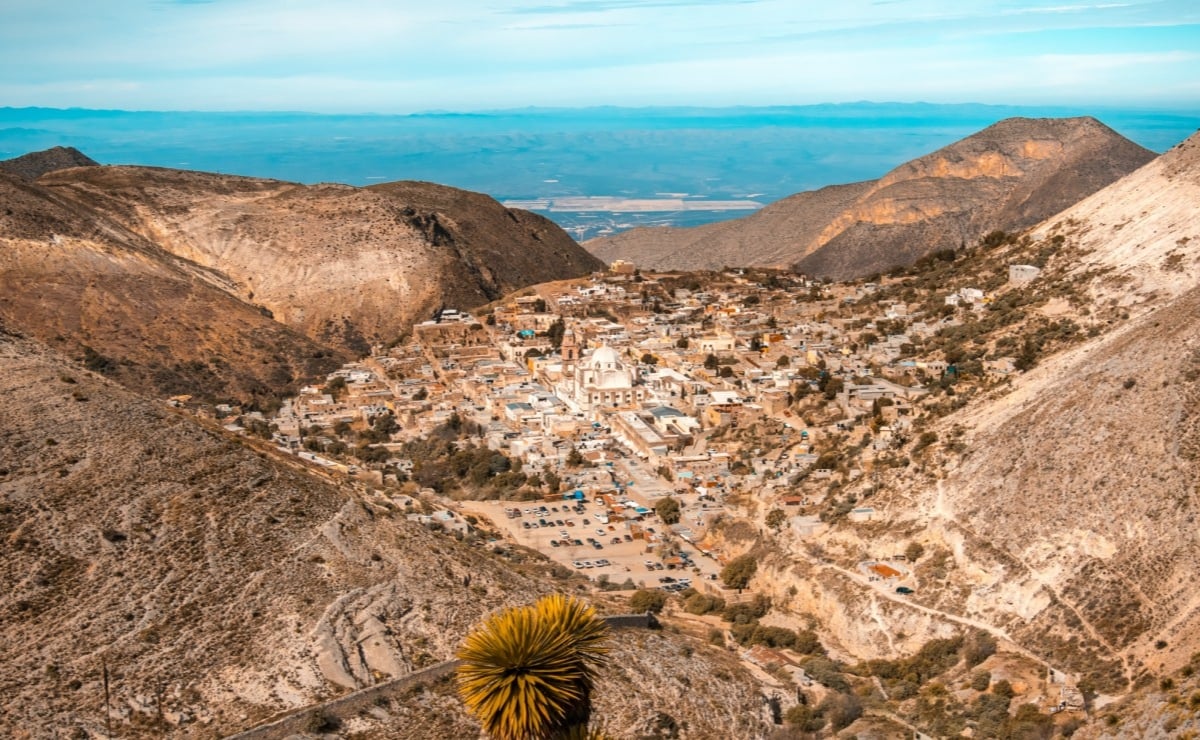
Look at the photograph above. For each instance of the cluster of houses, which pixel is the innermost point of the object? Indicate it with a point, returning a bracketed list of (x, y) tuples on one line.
[(649, 367)]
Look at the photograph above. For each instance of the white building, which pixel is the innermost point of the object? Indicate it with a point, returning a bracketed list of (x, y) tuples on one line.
[(602, 380)]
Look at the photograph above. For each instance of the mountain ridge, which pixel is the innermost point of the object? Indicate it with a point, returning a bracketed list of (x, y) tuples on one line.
[(1009, 176), (347, 266)]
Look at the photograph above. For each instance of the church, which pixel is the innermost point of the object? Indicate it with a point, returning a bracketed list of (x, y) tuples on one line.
[(600, 380)]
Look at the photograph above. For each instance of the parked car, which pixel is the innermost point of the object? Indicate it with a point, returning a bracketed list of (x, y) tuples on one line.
[(903, 590)]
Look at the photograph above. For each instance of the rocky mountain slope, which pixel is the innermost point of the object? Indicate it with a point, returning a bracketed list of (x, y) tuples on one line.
[(1061, 509), (35, 164), (346, 266), (219, 585), (1010, 176), (99, 292)]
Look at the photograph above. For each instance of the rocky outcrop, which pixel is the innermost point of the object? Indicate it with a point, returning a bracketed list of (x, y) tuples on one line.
[(1009, 176)]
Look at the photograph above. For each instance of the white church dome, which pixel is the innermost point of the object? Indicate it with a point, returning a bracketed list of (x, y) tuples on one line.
[(604, 358)]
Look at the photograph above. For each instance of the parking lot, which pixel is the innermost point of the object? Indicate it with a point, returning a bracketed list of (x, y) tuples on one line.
[(571, 534)]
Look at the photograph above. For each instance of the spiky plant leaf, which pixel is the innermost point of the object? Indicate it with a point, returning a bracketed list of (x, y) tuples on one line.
[(527, 672)]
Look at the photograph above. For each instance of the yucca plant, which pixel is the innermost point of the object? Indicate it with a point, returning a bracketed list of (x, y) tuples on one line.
[(527, 672)]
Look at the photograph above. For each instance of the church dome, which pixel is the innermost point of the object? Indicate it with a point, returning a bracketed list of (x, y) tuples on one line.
[(604, 358)]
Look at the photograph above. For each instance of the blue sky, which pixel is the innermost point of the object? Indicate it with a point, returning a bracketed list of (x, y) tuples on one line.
[(408, 56)]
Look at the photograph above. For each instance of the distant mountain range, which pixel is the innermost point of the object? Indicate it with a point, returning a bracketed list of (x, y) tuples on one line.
[(1009, 176)]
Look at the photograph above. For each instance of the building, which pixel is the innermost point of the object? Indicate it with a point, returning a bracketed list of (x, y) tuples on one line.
[(622, 267), (603, 381)]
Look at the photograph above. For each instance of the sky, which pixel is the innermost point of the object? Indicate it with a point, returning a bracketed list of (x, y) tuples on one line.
[(405, 56)]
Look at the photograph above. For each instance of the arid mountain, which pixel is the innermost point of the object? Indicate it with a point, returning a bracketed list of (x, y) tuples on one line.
[(221, 584), (1065, 513), (1010, 176), (233, 287), (35, 164), (347, 266), (78, 280)]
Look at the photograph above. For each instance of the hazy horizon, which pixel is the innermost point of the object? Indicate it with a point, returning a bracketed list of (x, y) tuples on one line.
[(531, 156)]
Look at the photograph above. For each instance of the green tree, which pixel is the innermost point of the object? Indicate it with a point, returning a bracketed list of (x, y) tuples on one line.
[(711, 362), (668, 510), (738, 572), (649, 359), (776, 518), (527, 672), (555, 333), (336, 386), (644, 600)]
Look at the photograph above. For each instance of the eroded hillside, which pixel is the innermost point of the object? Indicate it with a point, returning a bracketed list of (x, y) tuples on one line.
[(347, 266), (116, 300), (1059, 506)]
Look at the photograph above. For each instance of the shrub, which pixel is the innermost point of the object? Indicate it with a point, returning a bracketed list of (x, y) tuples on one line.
[(978, 647), (804, 718), (981, 680), (738, 572), (644, 600), (841, 709), (699, 603), (827, 673), (748, 611)]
